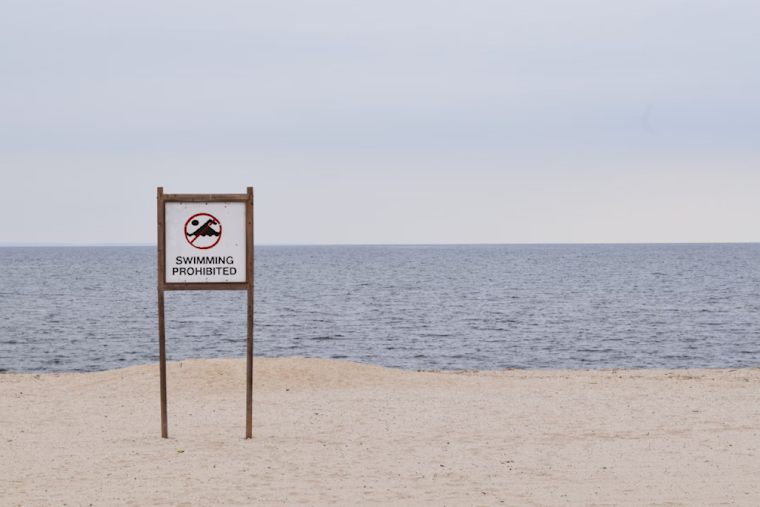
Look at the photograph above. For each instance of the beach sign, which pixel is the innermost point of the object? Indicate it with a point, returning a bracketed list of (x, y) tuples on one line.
[(205, 242)]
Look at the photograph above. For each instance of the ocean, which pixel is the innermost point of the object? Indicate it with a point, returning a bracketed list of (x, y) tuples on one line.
[(449, 307)]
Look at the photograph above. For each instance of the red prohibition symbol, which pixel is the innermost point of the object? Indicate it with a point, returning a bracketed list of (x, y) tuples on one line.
[(203, 226)]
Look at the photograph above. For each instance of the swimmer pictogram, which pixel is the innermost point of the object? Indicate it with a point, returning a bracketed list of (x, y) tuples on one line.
[(203, 231)]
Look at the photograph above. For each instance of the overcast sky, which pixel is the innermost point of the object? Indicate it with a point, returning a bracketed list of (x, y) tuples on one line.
[(540, 121)]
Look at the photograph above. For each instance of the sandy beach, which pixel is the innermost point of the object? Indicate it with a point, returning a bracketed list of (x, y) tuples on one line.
[(339, 433)]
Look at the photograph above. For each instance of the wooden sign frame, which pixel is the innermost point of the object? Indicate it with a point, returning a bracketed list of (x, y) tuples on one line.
[(246, 198)]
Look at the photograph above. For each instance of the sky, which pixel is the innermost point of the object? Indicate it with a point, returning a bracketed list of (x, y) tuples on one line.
[(400, 122)]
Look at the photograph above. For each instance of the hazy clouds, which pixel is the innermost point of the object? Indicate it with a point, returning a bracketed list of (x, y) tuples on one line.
[(478, 121)]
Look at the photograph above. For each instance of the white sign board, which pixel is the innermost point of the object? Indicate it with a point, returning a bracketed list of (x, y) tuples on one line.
[(205, 242)]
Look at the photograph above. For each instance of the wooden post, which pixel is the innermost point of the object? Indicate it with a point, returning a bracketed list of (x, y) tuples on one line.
[(162, 366), (249, 353), (161, 329)]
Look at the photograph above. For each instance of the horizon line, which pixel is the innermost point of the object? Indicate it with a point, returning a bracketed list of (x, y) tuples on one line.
[(84, 245)]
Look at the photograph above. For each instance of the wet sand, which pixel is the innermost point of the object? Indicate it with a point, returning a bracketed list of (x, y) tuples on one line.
[(338, 433)]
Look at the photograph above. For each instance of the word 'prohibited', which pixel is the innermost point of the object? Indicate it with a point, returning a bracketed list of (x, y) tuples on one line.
[(205, 242)]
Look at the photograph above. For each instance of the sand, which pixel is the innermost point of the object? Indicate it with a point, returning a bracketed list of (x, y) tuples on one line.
[(339, 433)]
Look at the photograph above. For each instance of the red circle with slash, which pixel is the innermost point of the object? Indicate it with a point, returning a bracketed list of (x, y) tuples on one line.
[(204, 228)]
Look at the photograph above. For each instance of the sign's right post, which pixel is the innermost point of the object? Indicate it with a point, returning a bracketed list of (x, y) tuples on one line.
[(249, 354)]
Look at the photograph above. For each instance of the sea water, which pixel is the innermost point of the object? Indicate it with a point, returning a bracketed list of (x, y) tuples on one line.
[(412, 307)]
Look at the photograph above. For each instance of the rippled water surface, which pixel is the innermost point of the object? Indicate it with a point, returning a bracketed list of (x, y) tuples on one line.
[(412, 307)]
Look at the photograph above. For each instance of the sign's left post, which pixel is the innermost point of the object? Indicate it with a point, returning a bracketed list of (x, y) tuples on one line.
[(161, 330)]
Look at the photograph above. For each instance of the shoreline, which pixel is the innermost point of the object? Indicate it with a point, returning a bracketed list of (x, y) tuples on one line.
[(333, 432), (347, 361)]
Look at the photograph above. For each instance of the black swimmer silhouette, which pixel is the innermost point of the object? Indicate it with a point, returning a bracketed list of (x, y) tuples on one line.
[(204, 230)]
